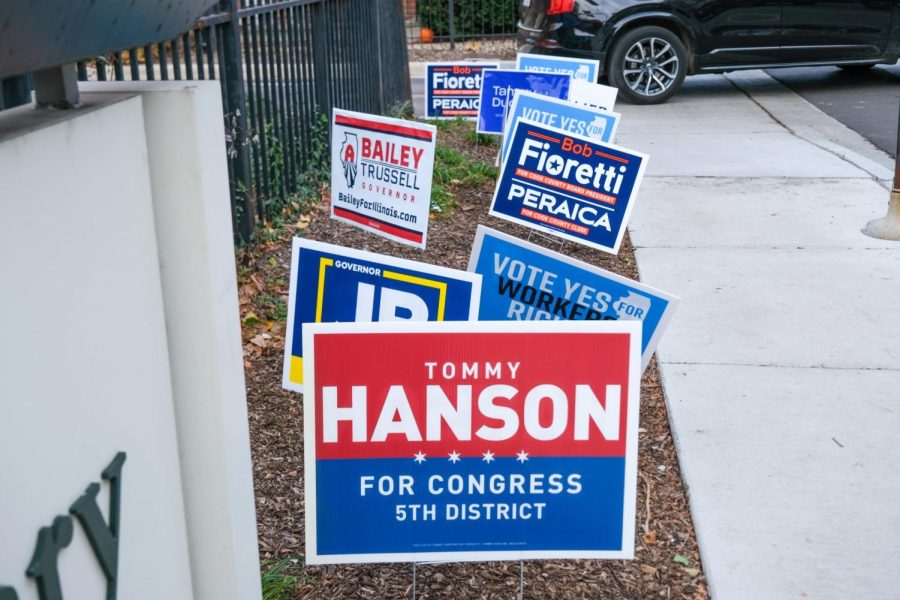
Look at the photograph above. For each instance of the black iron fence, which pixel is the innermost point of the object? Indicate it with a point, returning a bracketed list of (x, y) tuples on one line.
[(451, 21), (282, 65)]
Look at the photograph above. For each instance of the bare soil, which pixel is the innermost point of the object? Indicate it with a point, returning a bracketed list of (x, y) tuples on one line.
[(667, 563)]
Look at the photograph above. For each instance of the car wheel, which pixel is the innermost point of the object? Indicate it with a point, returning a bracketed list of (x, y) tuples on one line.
[(648, 65)]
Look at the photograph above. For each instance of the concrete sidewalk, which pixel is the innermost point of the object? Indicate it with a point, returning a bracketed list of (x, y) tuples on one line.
[(782, 365)]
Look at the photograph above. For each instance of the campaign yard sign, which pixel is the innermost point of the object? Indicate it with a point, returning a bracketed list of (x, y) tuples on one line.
[(470, 441), (594, 95), (452, 89), (334, 284), (583, 120), (498, 87), (581, 69), (569, 185), (381, 172), (522, 281)]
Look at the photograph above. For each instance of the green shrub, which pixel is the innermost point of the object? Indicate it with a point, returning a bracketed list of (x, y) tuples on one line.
[(472, 17)]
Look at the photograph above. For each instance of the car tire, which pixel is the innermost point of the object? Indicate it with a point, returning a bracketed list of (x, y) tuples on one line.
[(647, 65)]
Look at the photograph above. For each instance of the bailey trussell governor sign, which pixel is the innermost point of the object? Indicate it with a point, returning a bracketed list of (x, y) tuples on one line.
[(470, 441), (381, 174), (333, 284), (572, 186)]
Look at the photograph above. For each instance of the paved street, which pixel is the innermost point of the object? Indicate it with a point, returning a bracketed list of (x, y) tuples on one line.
[(866, 101)]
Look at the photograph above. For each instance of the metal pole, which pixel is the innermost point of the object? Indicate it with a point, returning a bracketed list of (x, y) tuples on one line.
[(897, 160), (521, 580), (888, 227), (451, 16)]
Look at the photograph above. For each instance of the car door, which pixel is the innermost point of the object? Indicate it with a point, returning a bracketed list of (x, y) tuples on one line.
[(835, 30), (734, 32)]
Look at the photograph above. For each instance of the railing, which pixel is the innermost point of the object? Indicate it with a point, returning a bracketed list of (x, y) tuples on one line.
[(457, 20), (282, 65)]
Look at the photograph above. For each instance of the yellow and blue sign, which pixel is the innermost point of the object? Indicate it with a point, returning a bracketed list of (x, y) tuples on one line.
[(581, 69), (525, 282), (498, 86), (334, 284), (569, 185)]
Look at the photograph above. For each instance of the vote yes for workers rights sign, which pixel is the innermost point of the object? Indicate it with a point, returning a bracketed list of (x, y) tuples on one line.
[(452, 89), (574, 187), (330, 284), (381, 172), (470, 441), (522, 281)]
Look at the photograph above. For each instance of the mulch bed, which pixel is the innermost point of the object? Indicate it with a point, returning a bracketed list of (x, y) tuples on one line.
[(667, 563)]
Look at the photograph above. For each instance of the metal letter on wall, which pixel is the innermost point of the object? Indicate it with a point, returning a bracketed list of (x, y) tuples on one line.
[(104, 538)]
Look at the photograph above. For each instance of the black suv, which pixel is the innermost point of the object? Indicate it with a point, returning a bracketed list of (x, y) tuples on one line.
[(646, 47)]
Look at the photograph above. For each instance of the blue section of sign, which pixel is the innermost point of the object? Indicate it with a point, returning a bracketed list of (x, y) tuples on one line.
[(568, 185), (535, 514), (452, 89), (585, 70), (497, 91), (524, 284), (332, 287), (574, 118)]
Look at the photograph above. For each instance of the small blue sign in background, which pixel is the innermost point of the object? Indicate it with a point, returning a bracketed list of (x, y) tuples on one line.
[(578, 68), (498, 87), (452, 90), (575, 118)]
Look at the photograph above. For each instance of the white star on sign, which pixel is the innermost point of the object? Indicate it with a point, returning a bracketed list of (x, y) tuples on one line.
[(454, 457), (419, 457), (488, 457), (522, 456)]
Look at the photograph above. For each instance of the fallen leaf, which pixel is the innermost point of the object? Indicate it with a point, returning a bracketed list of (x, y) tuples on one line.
[(692, 572), (260, 286), (682, 560), (650, 538), (648, 569), (260, 341)]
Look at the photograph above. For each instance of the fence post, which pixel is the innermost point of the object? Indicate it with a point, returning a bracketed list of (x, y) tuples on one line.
[(235, 100), (321, 72), (452, 22), (379, 51)]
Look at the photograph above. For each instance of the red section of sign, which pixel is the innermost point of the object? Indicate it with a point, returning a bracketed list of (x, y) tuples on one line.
[(422, 134), (564, 360), (399, 232)]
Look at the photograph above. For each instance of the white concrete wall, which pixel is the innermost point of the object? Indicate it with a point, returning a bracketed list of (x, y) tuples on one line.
[(189, 176), (85, 359)]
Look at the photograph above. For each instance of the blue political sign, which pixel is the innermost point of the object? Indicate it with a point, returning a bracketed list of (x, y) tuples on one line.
[(334, 284), (521, 281), (498, 87), (568, 185), (452, 89), (582, 69), (583, 120)]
